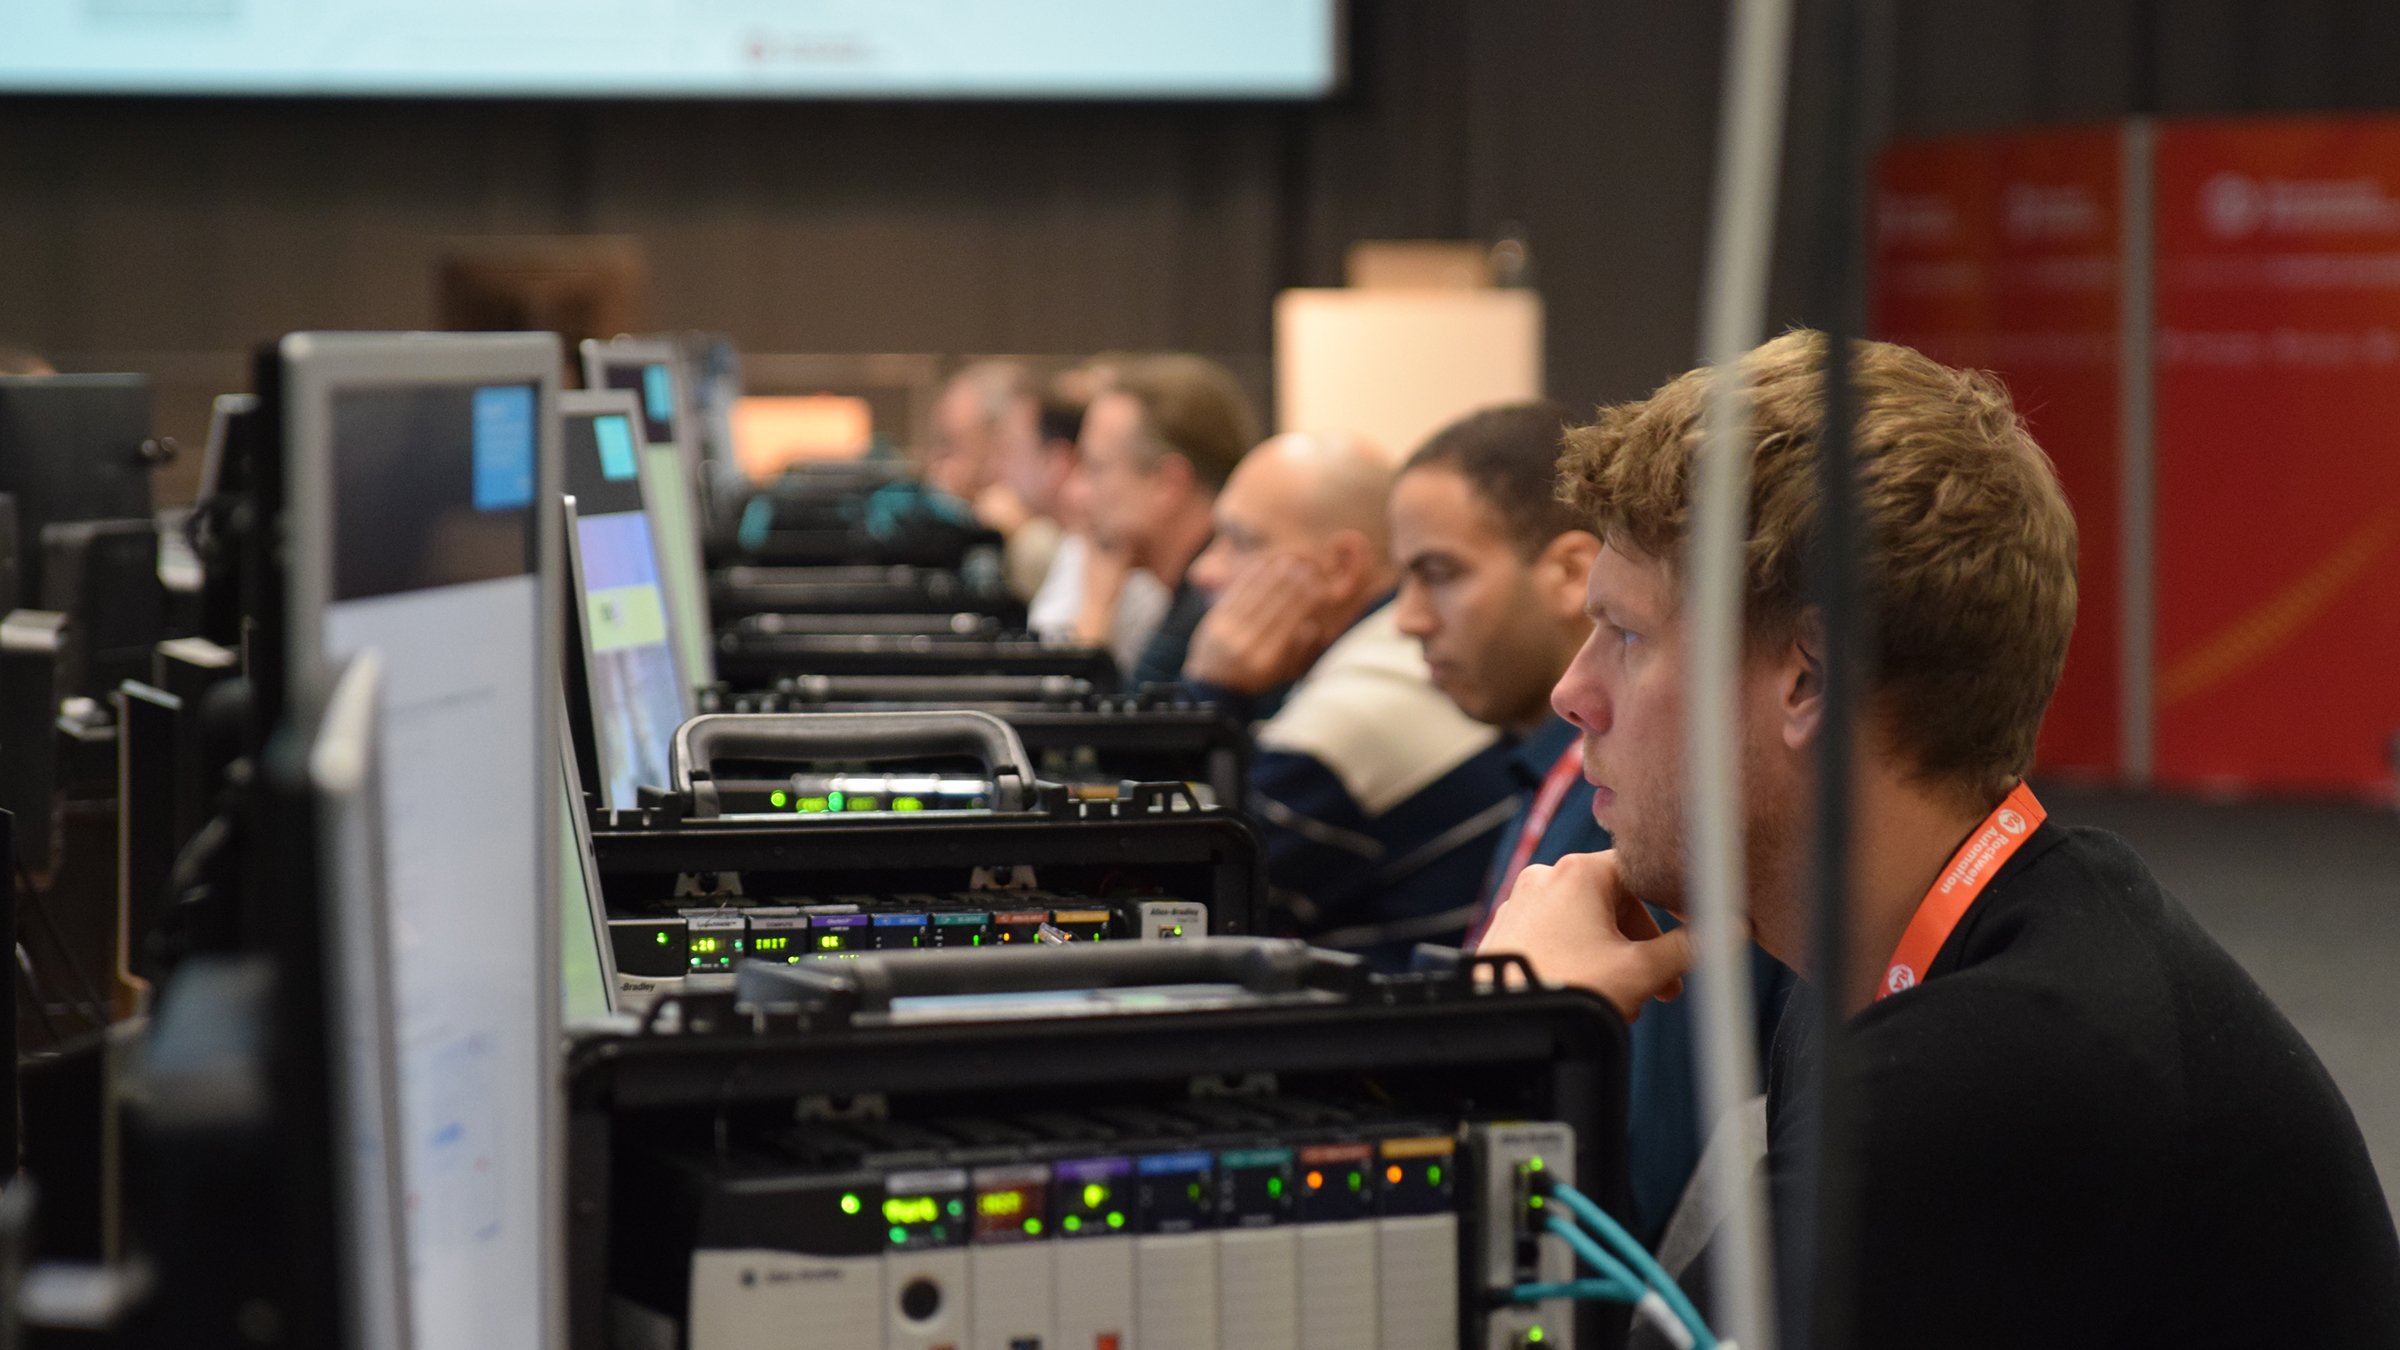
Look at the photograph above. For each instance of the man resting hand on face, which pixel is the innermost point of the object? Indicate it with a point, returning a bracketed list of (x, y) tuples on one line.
[(1376, 798)]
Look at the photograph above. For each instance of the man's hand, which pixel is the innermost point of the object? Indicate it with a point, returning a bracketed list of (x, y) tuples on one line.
[(1105, 569), (999, 507), (1263, 631), (1576, 924)]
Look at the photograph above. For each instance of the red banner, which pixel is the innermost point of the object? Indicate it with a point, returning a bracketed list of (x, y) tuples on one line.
[(2000, 253), (2278, 480)]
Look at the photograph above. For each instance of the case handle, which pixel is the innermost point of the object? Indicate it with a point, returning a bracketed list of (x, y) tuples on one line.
[(702, 742), (870, 981)]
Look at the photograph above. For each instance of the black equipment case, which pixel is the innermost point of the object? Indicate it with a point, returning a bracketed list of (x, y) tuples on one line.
[(1270, 1027)]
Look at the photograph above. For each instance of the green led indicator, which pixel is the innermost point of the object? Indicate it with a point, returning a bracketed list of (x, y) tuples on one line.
[(908, 803), (849, 1204), (1193, 1190), (1534, 1336), (1533, 1164), (899, 1235), (811, 804), (1533, 1202), (662, 939), (1094, 1195), (1116, 1219), (1033, 1228), (1073, 1224), (833, 801), (976, 940), (957, 1208), (1178, 930), (1275, 1187), (1358, 1181), (781, 799), (1433, 1175), (865, 804)]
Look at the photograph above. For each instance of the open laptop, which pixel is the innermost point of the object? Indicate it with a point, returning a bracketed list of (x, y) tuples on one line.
[(631, 680)]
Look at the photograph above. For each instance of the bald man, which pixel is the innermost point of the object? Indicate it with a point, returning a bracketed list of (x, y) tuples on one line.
[(1377, 799)]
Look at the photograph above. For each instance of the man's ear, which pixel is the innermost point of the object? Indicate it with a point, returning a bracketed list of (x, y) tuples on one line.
[(1350, 558), (1173, 470), (1800, 681), (1561, 569)]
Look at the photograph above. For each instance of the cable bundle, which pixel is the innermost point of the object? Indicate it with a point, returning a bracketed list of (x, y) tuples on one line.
[(1653, 1293)]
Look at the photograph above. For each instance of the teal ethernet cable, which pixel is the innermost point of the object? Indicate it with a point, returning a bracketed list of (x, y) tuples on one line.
[(1597, 1257), (1616, 1285), (1640, 1259), (1582, 1291)]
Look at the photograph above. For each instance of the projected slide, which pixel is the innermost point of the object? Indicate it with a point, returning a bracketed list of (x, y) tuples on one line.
[(699, 48)]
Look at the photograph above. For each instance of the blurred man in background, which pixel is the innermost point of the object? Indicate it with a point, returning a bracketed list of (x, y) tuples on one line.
[(987, 420), (1087, 595), (1492, 570), (1159, 442), (1376, 798), (981, 405)]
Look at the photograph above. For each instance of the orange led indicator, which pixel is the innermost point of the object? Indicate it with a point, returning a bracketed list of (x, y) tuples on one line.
[(1392, 1174), (1316, 1181)]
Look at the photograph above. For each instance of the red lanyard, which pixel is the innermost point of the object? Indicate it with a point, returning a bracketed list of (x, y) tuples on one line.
[(1555, 784), (1994, 842)]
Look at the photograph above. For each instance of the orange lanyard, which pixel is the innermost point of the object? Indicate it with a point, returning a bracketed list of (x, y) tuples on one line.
[(1971, 869), (1562, 776)]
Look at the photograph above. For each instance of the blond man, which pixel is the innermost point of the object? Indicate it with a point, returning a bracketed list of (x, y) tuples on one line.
[(2079, 1122)]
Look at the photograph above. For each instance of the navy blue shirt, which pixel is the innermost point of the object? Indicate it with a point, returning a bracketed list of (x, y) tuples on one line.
[(1375, 798), (1162, 659), (1663, 1126)]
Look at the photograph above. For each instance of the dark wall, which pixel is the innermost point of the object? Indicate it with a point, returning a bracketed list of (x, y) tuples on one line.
[(1978, 67), (182, 226)]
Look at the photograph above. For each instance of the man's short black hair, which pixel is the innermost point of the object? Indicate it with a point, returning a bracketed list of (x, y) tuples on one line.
[(1061, 420), (1509, 455)]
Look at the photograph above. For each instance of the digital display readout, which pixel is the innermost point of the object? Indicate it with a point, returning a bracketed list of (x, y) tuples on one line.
[(926, 1209), (912, 1209), (1010, 1209)]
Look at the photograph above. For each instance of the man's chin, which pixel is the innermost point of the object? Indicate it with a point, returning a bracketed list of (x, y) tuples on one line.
[(1659, 892)]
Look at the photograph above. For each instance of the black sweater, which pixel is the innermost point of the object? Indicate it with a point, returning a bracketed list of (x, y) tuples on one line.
[(2087, 1126)]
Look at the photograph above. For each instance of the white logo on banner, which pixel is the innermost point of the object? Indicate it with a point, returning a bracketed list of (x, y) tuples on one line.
[(2232, 204), (2011, 822), (1901, 977), (2235, 205)]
